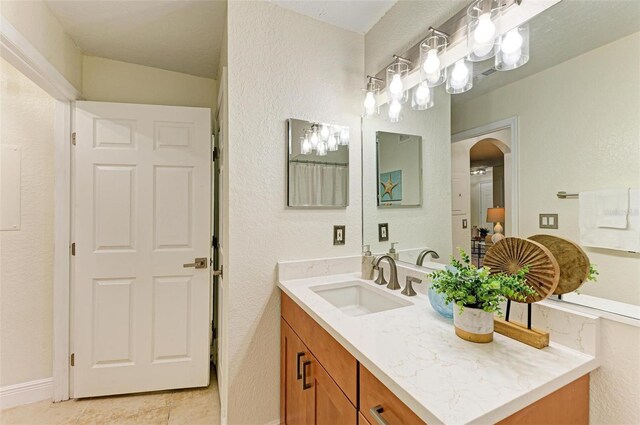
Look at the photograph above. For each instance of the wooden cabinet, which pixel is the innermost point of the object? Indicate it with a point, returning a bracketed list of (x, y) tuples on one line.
[(322, 383), (308, 394)]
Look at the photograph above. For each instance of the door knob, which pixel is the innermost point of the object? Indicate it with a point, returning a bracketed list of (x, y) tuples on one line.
[(199, 263)]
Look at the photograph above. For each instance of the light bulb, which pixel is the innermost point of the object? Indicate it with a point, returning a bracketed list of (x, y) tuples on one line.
[(423, 95), (322, 149), (459, 75), (432, 63), (314, 140), (344, 136), (369, 104), (394, 111), (511, 59), (305, 146), (512, 42), (332, 143), (486, 29), (482, 50), (324, 132), (396, 87)]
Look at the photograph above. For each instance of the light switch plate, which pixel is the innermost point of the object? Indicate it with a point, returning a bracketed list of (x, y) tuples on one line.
[(548, 221), (383, 232), (339, 235), (464, 223)]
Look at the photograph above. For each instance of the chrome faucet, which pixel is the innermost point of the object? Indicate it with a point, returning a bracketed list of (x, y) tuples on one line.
[(393, 279), (424, 253)]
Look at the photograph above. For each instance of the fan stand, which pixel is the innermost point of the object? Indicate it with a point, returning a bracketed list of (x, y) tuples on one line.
[(525, 334)]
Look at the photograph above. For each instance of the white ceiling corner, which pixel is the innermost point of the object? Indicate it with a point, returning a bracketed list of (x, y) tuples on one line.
[(353, 15), (183, 36)]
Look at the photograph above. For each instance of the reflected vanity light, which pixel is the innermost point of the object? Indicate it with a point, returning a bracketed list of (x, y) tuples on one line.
[(332, 143), (482, 29), (371, 106), (513, 49), (313, 139), (422, 97), (395, 108), (460, 77), (396, 73), (344, 137), (431, 49)]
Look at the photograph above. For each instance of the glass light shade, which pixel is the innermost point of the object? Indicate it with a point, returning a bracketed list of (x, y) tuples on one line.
[(324, 132), (321, 150), (370, 104), (396, 89), (431, 69), (482, 29), (460, 77), (343, 137), (422, 97), (305, 146), (332, 143), (395, 109), (513, 49), (314, 139)]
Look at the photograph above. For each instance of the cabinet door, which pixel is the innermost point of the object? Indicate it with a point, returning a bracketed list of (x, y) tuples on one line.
[(296, 405), (331, 406)]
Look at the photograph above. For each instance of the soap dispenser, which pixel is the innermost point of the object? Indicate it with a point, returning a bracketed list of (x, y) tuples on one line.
[(367, 263), (392, 252)]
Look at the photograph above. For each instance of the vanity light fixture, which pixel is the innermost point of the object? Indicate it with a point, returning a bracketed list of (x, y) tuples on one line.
[(482, 29), (314, 139), (431, 50), (513, 49), (371, 106), (324, 132), (321, 150), (332, 143), (396, 73), (305, 145), (460, 77), (395, 108), (344, 137), (422, 97)]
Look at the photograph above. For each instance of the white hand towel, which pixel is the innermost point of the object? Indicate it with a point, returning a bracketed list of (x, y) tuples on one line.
[(611, 238), (612, 208)]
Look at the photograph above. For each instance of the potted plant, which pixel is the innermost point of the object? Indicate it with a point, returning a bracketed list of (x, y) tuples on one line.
[(483, 232), (477, 295)]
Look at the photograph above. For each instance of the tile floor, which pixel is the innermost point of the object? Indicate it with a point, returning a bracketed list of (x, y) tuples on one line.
[(181, 407)]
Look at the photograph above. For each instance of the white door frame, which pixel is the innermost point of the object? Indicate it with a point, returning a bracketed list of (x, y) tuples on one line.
[(17, 50), (507, 123)]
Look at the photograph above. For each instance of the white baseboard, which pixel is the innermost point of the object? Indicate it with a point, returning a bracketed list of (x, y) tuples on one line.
[(25, 393)]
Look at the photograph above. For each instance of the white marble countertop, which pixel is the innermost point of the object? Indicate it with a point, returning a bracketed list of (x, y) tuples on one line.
[(442, 378)]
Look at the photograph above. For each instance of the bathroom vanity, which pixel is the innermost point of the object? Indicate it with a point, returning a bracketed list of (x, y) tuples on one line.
[(355, 352)]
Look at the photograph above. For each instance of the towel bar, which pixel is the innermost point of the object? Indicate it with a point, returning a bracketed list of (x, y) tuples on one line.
[(565, 195)]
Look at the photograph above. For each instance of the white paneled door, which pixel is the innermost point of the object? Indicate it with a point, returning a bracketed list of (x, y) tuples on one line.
[(142, 211)]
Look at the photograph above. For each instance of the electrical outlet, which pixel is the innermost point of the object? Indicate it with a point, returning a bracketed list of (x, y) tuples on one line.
[(548, 221), (339, 235)]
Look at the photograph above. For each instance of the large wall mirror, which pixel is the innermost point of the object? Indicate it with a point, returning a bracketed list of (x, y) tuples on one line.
[(317, 164), (506, 150)]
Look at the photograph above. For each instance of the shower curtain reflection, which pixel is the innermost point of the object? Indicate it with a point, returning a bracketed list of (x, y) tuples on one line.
[(318, 184)]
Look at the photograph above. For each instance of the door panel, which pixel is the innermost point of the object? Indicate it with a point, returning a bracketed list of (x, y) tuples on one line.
[(142, 210), (332, 407), (298, 404)]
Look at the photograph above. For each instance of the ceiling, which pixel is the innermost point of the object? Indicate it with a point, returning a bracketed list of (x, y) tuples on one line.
[(182, 36), (486, 153), (566, 30), (353, 15)]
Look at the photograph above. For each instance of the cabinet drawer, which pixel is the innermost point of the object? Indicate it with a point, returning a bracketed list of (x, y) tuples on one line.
[(374, 393), (337, 361)]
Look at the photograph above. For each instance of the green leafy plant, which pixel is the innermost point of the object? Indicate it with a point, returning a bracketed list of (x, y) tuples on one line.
[(593, 273), (466, 285)]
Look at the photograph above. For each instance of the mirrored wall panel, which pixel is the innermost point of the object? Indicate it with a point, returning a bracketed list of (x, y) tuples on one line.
[(399, 169), (318, 165), (548, 147)]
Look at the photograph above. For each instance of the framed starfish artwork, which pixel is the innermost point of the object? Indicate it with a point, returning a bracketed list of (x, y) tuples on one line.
[(390, 189)]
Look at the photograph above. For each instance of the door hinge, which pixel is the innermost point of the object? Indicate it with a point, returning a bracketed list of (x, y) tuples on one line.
[(214, 242), (73, 249), (72, 360), (73, 138), (215, 154)]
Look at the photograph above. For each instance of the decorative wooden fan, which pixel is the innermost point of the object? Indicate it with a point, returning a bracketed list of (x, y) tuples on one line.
[(511, 254), (573, 261)]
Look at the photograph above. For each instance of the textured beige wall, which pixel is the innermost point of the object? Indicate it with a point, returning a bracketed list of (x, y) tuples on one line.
[(579, 129), (281, 65), (36, 23), (26, 259), (107, 80)]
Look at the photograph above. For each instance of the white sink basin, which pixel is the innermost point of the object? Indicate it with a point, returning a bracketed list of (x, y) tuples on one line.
[(357, 298)]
